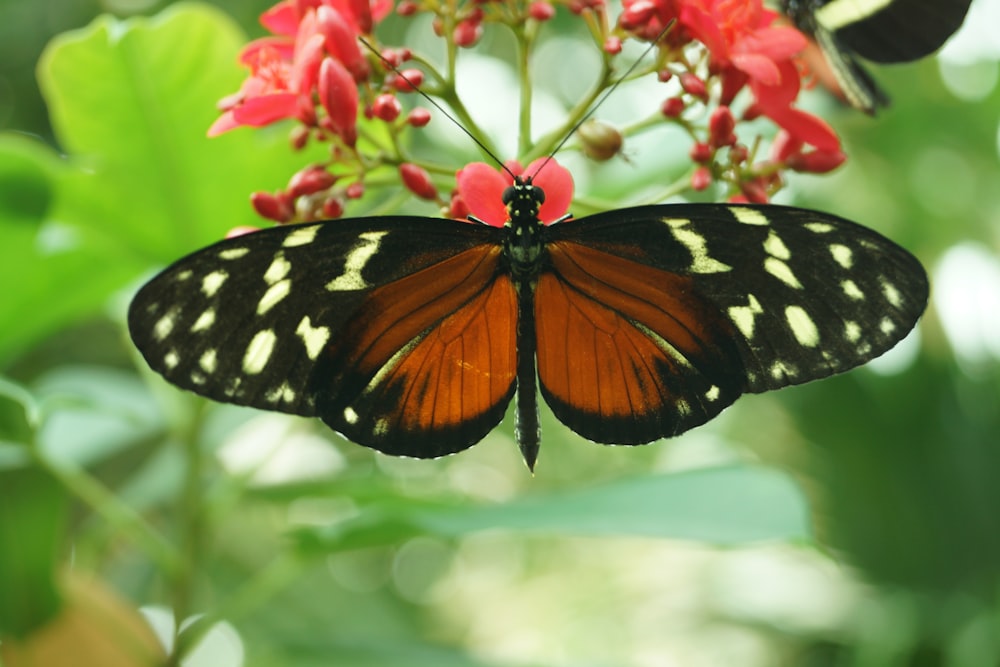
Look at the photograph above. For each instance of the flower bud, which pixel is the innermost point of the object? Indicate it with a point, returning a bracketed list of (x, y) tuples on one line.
[(636, 15), (417, 180), (600, 141), (408, 80), (755, 191), (310, 181), (541, 11), (386, 107), (693, 85), (419, 117), (332, 207), (272, 207), (672, 107), (407, 8), (355, 190), (467, 33), (339, 96), (701, 178), (738, 154), (613, 45), (701, 153), (720, 127), (664, 75)]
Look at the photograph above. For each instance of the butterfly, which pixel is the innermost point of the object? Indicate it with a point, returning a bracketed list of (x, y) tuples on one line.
[(412, 335), (883, 31)]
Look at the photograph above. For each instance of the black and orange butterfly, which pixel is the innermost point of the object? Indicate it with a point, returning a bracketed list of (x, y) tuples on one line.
[(882, 31), (411, 335)]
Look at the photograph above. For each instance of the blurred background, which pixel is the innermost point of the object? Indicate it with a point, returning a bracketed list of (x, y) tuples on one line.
[(898, 463)]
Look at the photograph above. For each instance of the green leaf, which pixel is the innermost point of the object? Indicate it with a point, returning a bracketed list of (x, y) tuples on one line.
[(726, 506), (32, 507), (131, 102), (55, 279), (142, 184)]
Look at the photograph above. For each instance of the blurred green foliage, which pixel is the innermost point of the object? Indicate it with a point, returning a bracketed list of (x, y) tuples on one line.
[(320, 552)]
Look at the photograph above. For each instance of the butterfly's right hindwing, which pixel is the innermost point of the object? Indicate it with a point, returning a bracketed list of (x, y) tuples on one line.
[(258, 319)]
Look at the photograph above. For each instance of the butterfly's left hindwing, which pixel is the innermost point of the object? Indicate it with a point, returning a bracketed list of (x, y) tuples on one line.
[(680, 309), (334, 319)]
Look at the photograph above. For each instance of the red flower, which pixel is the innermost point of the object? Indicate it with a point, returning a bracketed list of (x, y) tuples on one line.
[(265, 97), (480, 189), (288, 69)]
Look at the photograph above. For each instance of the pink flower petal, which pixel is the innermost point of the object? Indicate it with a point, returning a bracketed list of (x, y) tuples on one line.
[(223, 123), (758, 67), (282, 19), (481, 188), (266, 109), (557, 184), (806, 128), (252, 53)]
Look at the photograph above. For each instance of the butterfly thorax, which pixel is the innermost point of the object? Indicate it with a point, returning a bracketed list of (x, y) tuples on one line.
[(523, 246)]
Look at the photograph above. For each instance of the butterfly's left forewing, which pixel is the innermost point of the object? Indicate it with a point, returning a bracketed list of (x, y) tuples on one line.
[(686, 307), (351, 321)]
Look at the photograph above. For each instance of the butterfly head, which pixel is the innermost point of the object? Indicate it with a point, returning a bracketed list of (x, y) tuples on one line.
[(523, 200)]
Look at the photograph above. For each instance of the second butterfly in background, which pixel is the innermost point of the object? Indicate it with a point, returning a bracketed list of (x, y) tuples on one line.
[(882, 31)]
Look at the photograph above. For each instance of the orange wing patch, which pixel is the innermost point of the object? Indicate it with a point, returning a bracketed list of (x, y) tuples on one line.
[(628, 353), (432, 358)]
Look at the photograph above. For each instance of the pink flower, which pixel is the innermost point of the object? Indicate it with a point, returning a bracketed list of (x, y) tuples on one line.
[(291, 69), (480, 189)]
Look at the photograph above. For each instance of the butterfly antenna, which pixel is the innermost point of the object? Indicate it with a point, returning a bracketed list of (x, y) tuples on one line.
[(437, 106), (607, 93)]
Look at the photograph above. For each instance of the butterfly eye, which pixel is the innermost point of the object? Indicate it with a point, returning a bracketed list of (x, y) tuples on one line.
[(509, 194), (537, 194)]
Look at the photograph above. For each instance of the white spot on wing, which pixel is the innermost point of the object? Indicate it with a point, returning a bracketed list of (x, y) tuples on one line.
[(171, 359), (301, 236), (314, 338), (695, 244), (713, 393), (892, 294), (842, 255), (259, 351), (355, 262), (782, 272), (350, 416), (744, 317), (204, 321), (886, 326), (208, 361), (802, 326), (852, 332), (184, 275), (211, 283), (165, 324), (278, 270), (780, 370), (819, 227), (683, 407), (775, 247), (748, 216), (283, 393), (274, 294), (233, 253), (852, 290), (835, 15)]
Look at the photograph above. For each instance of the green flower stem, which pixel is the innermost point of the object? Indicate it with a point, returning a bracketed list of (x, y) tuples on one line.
[(547, 144), (264, 585), (193, 528), (524, 48), (119, 517)]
